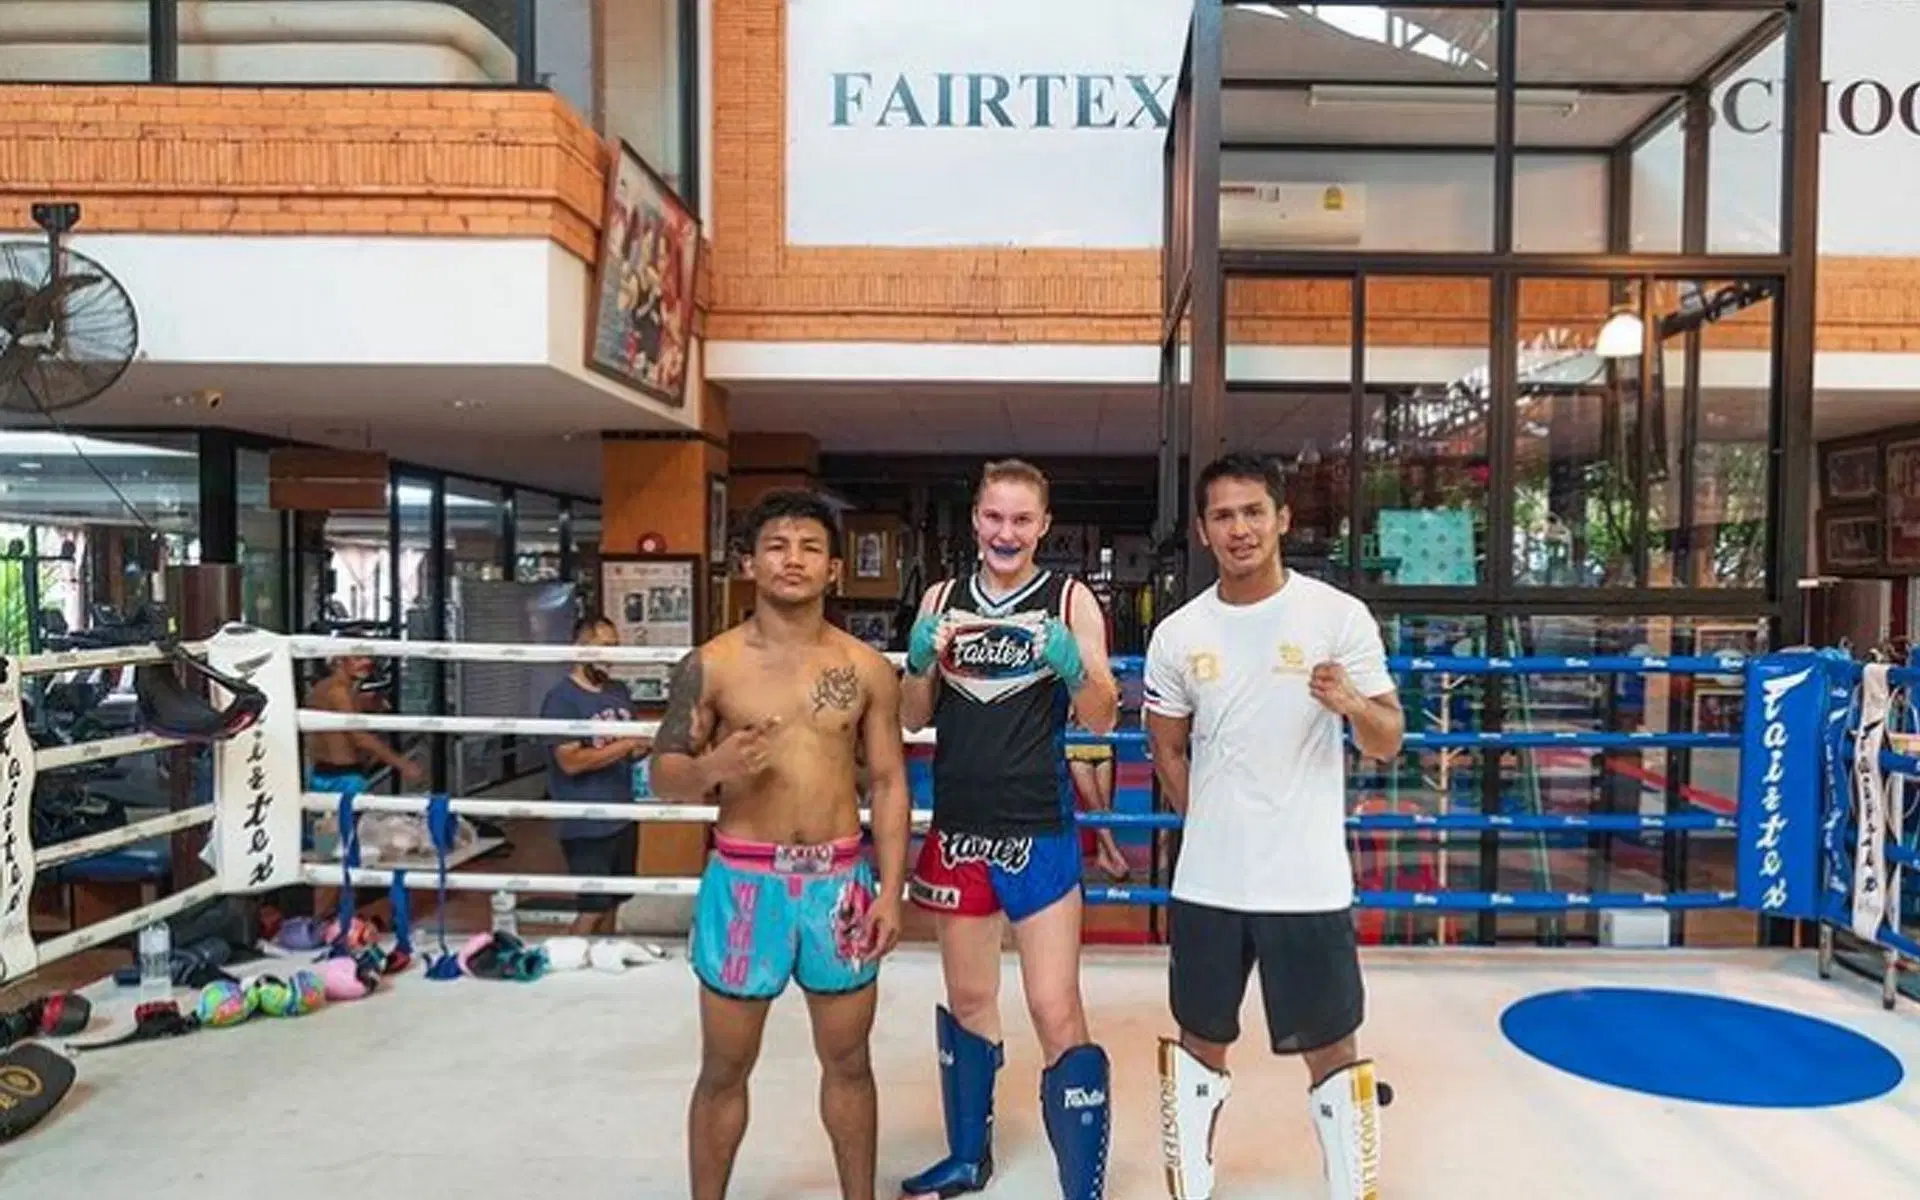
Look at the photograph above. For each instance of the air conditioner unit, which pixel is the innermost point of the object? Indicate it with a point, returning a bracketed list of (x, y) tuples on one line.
[(1285, 216)]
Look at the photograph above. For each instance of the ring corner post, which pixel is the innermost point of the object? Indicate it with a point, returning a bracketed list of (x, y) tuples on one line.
[(18, 954), (1783, 785), (257, 782)]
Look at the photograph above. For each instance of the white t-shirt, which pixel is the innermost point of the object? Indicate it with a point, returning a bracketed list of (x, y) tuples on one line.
[(1267, 794)]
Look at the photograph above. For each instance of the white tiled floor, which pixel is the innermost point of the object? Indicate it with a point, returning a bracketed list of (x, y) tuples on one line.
[(576, 1087)]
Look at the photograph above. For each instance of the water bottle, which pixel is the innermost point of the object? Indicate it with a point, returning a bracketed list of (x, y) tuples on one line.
[(156, 962), (504, 920)]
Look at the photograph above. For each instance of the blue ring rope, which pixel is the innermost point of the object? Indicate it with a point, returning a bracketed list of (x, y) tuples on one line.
[(1459, 822), (1544, 664), (1474, 901), (1519, 739)]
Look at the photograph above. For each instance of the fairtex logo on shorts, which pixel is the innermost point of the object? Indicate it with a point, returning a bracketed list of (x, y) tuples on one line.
[(1010, 854), (1084, 1098)]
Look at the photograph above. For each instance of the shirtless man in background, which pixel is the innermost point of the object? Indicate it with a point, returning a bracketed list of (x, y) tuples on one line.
[(340, 761), (766, 720)]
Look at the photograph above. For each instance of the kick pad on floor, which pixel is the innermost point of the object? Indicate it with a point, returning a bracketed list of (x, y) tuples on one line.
[(1710, 1049), (33, 1081)]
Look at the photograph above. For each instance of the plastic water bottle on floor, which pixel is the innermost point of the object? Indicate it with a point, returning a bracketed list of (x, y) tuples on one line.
[(505, 919), (156, 962)]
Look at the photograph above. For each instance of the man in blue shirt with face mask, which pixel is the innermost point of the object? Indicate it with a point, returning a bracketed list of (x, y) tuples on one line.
[(596, 770)]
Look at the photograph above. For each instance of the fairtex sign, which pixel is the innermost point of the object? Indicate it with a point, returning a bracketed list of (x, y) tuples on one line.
[(1780, 785), (1011, 123), (995, 100), (979, 122)]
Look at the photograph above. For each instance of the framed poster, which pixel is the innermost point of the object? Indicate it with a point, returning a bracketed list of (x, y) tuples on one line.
[(640, 329), (718, 592), (653, 599), (872, 626), (872, 569), (1718, 709), (1849, 474), (719, 552), (1850, 540), (1902, 490)]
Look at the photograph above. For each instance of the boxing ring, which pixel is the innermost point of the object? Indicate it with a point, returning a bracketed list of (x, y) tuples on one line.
[(574, 1082)]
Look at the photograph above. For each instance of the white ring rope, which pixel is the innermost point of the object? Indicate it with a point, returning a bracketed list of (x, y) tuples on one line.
[(125, 835), (256, 818), (110, 656), (54, 757), (466, 881), (638, 811), (314, 720), (494, 652), (100, 932)]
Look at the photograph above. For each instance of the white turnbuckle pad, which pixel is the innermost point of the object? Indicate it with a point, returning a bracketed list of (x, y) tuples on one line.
[(1346, 1115), (1191, 1094)]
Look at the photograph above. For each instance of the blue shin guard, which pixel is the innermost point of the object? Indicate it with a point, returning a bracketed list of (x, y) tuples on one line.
[(1073, 1098), (968, 1066)]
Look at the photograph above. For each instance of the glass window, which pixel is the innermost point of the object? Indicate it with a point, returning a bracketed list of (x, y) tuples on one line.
[(480, 610), (1425, 782), (1307, 432), (641, 83), (1559, 203), (453, 42), (263, 541), (1420, 68), (1290, 397), (1576, 448), (420, 685), (1286, 332), (70, 43), (1745, 156), (124, 505), (1638, 781), (1658, 200), (476, 525), (564, 51), (357, 574), (1709, 526), (583, 529), (536, 536), (1425, 483)]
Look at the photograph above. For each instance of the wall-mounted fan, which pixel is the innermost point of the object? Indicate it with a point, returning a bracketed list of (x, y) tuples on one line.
[(67, 328)]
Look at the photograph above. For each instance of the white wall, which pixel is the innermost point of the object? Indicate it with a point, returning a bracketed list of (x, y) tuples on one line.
[(333, 300)]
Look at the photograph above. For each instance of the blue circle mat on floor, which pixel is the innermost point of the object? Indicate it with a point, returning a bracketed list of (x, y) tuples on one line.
[(1711, 1049)]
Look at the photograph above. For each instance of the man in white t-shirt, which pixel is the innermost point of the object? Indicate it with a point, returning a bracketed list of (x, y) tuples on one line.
[(1250, 687)]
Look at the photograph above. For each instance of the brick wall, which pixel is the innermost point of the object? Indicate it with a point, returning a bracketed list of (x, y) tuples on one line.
[(763, 289), (291, 160)]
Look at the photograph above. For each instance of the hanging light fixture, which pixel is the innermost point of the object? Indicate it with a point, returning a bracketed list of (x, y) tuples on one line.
[(1622, 336)]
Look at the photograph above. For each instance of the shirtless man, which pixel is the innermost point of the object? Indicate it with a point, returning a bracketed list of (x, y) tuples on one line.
[(766, 720), (340, 761)]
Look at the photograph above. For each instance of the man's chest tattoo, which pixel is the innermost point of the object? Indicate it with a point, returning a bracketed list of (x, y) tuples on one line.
[(836, 688)]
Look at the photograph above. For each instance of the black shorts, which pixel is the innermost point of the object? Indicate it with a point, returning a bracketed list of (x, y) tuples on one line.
[(607, 854), (1309, 974)]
